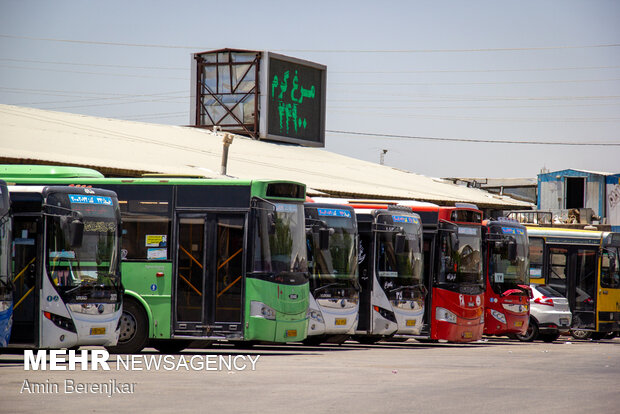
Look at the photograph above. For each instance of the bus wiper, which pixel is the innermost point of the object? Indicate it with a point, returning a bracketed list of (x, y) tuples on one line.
[(326, 286), (421, 287)]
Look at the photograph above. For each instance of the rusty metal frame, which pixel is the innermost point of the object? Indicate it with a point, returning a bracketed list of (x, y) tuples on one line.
[(203, 92)]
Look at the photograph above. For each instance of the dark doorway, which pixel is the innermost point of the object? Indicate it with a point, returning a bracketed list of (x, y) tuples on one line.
[(575, 192)]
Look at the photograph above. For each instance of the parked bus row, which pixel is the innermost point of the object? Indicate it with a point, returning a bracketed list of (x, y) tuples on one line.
[(257, 261)]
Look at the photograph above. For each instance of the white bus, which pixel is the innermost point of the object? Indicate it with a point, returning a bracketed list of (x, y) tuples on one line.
[(331, 233), (66, 267)]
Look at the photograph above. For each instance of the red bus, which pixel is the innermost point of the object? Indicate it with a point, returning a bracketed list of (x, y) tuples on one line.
[(453, 271), (506, 269)]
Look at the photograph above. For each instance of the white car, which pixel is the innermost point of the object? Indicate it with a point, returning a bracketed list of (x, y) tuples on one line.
[(550, 315)]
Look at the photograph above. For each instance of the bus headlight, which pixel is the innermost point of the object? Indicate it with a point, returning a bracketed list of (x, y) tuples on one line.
[(261, 310), (442, 314), (499, 316), (93, 308), (516, 308), (316, 315)]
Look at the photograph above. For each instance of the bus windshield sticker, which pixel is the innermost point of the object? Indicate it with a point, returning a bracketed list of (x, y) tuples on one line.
[(286, 208), (535, 272), (62, 255), (499, 278), (86, 199), (156, 254), (512, 230), (156, 240), (472, 231), (333, 212), (405, 219), (387, 274)]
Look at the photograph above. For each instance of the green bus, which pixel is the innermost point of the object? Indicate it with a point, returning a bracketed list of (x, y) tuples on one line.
[(202, 259)]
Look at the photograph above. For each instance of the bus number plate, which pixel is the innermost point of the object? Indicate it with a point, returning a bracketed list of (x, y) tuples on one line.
[(97, 331), (290, 332), (410, 322), (519, 323), (468, 335), (341, 321)]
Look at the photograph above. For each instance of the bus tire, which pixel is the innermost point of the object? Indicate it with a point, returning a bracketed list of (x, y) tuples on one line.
[(531, 333), (134, 329), (580, 334)]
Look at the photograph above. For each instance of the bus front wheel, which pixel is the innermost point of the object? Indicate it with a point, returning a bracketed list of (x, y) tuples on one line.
[(134, 329)]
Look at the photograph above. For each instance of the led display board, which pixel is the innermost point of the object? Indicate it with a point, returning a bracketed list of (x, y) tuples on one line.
[(292, 100)]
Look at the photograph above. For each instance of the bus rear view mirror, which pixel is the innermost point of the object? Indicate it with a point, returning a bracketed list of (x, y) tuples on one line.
[(454, 242), (512, 250), (73, 229), (324, 239), (399, 243), (271, 217)]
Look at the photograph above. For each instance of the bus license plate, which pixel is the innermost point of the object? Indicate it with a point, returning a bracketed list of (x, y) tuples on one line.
[(97, 331), (519, 323), (410, 322), (341, 321), (564, 321), (290, 332), (468, 335)]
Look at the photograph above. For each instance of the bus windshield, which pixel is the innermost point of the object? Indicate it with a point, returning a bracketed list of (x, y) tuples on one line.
[(337, 265), (400, 269), (279, 240), (460, 263), (508, 259), (94, 261)]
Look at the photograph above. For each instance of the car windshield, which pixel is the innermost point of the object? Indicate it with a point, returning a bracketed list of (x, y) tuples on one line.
[(460, 257), (279, 239), (399, 255), (508, 258), (337, 263), (93, 261)]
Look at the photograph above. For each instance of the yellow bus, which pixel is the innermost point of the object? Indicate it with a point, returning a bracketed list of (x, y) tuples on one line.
[(584, 266)]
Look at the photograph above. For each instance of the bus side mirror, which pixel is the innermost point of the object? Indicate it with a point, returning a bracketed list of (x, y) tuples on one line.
[(454, 242), (272, 223), (73, 229), (324, 239), (512, 250), (399, 243)]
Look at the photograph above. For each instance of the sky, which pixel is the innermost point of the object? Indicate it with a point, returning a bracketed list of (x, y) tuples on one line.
[(420, 79)]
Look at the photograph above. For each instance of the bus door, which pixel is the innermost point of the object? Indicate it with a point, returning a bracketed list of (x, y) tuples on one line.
[(366, 277), (572, 272), (209, 283), (27, 285), (429, 238)]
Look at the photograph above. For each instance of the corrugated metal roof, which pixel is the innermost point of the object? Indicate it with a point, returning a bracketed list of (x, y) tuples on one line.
[(34, 135)]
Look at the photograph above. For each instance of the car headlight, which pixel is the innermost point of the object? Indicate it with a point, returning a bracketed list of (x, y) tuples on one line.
[(316, 315), (442, 314), (261, 310), (499, 316)]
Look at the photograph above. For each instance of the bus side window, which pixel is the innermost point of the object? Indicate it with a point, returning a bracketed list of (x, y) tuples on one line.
[(610, 276), (536, 258)]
